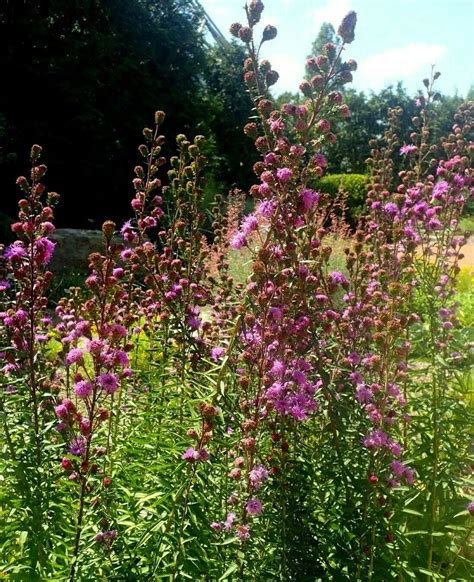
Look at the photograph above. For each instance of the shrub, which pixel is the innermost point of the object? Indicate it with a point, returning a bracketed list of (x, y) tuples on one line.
[(352, 186)]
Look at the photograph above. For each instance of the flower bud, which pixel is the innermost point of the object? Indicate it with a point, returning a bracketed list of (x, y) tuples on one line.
[(108, 229), (245, 34), (306, 89), (351, 65), (269, 33), (36, 151), (159, 117), (271, 78), (235, 29), (317, 81), (347, 27)]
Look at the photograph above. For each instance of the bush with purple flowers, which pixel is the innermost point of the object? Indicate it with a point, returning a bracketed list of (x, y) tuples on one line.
[(165, 421)]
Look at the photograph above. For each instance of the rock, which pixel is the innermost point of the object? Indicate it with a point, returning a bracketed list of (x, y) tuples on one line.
[(73, 247)]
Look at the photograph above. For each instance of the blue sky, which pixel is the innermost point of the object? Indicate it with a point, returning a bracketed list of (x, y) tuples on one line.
[(395, 39)]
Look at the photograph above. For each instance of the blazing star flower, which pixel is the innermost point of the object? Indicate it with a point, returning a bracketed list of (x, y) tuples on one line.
[(108, 382), (284, 174), (15, 251), (84, 388), (391, 208), (229, 521), (74, 356), (254, 506), (238, 241), (242, 531), (78, 446), (217, 353), (44, 249), (249, 224), (408, 149), (440, 189), (257, 475), (338, 278), (194, 322), (309, 199), (265, 208), (190, 455), (61, 411)]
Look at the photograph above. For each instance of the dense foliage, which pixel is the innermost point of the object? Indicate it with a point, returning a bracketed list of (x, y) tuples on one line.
[(81, 76), (311, 423)]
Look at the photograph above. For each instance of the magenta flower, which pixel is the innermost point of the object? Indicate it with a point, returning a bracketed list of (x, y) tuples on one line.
[(249, 224), (75, 356), (238, 241), (217, 353), (408, 149), (84, 388), (338, 278), (194, 322), (254, 506), (265, 208), (257, 475), (44, 249), (190, 455), (284, 174), (242, 531), (78, 446), (229, 521), (309, 199), (4, 285), (15, 251), (108, 382)]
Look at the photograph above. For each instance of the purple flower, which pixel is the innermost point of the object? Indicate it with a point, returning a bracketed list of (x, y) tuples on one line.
[(190, 455), (309, 199), (4, 285), (106, 536), (238, 241), (337, 278), (257, 475), (108, 382), (84, 388), (249, 224), (363, 394), (78, 446), (15, 251), (74, 356), (391, 208), (217, 353), (440, 189), (194, 322), (408, 149), (470, 507), (254, 506), (284, 174), (216, 526), (265, 208), (44, 249), (242, 531), (229, 521)]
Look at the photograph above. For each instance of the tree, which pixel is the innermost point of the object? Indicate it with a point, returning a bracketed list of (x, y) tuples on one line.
[(84, 76)]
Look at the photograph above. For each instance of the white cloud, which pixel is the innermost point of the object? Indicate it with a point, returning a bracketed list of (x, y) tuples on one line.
[(399, 63), (291, 72), (333, 11)]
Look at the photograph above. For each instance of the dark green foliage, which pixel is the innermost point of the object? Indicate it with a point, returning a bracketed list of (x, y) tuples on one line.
[(83, 77)]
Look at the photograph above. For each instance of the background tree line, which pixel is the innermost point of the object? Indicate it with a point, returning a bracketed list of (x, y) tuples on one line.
[(81, 77)]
